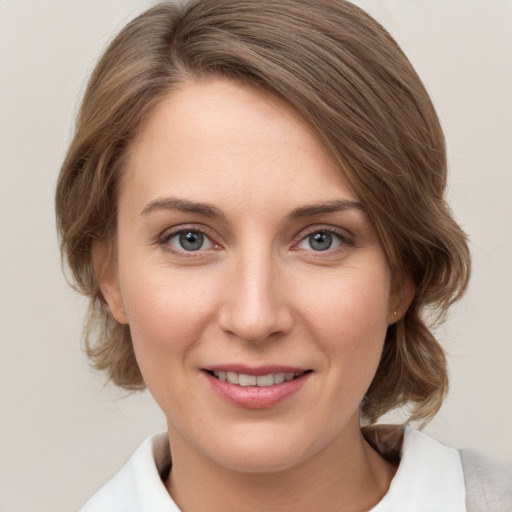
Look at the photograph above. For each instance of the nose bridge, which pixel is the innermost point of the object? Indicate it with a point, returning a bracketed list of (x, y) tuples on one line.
[(256, 304)]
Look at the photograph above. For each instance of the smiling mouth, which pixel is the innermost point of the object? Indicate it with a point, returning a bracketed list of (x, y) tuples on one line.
[(245, 380)]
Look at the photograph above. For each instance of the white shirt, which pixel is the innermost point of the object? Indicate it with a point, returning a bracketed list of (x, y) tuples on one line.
[(429, 479)]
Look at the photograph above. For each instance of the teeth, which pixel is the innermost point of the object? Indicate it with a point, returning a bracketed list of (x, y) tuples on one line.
[(232, 377), (265, 380), (278, 378), (245, 380)]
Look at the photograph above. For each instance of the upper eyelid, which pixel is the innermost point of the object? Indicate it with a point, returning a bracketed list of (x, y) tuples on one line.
[(342, 232), (176, 230)]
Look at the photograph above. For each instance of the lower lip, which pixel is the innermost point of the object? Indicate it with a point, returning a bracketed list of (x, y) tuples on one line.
[(256, 397)]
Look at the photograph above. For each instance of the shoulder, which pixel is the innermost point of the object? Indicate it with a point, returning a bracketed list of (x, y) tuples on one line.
[(137, 487), (488, 483), (429, 477), (434, 477)]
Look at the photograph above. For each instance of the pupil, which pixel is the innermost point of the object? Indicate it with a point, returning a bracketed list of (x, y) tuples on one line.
[(191, 241), (320, 241)]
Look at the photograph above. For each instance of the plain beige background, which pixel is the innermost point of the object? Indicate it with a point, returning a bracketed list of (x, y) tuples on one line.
[(62, 432)]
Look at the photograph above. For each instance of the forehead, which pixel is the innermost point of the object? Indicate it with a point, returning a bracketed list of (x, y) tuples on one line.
[(217, 137)]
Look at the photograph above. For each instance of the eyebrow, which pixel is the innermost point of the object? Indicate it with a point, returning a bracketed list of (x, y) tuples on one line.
[(208, 210), (173, 203), (338, 205)]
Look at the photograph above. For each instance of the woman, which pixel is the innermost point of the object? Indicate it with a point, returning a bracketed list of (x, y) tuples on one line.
[(254, 202)]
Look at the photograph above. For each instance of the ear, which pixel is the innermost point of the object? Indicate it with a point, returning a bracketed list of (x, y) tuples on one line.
[(400, 298), (105, 269)]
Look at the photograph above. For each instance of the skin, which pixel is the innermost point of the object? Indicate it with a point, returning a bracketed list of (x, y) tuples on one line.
[(257, 292)]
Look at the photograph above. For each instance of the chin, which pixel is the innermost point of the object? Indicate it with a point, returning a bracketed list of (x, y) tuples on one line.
[(266, 448), (254, 458)]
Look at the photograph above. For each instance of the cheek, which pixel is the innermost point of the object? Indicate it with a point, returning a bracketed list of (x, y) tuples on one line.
[(167, 313), (348, 317)]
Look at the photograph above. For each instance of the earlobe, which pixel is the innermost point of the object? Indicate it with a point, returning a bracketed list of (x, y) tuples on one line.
[(400, 299), (105, 270)]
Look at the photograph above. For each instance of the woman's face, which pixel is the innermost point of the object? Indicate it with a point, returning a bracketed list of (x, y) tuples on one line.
[(243, 254)]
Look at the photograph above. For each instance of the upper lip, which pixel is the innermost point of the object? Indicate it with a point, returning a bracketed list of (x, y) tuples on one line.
[(255, 370)]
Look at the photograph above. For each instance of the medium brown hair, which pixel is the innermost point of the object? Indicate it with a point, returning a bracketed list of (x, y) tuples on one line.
[(350, 80)]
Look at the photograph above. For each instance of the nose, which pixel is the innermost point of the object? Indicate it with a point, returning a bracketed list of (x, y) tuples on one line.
[(256, 306)]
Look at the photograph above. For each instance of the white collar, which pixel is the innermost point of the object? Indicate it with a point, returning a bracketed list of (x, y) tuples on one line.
[(429, 478)]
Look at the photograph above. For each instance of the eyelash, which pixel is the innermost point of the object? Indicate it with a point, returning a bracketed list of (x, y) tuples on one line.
[(167, 236), (343, 238)]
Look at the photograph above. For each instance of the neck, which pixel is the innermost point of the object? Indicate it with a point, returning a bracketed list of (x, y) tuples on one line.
[(346, 475)]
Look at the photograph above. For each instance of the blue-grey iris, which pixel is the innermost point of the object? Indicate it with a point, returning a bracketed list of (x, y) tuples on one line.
[(191, 240), (320, 241)]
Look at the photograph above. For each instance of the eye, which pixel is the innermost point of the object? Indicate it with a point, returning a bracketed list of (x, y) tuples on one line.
[(322, 240), (188, 240)]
